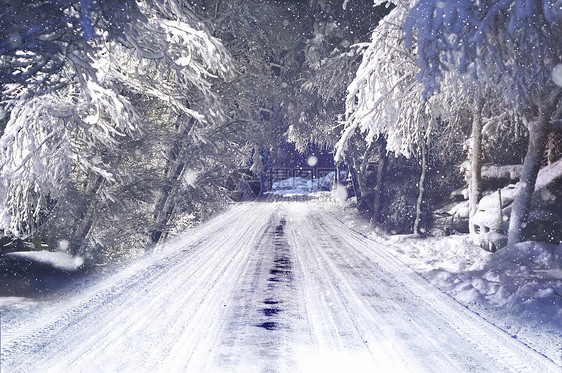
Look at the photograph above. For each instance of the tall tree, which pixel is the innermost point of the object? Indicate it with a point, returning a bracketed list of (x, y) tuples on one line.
[(514, 40), (385, 100)]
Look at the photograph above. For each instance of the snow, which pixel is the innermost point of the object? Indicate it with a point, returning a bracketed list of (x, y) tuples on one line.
[(56, 259), (283, 286), (18, 303), (312, 160), (340, 192), (190, 177), (557, 74), (510, 172), (302, 185), (518, 289), (63, 245), (488, 215), (460, 210), (549, 174)]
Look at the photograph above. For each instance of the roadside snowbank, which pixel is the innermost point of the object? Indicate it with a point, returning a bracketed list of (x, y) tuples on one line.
[(16, 303), (56, 259), (518, 289)]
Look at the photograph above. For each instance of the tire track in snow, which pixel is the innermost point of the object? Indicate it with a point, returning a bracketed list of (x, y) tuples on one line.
[(355, 335), (260, 323), (246, 292), (22, 332), (486, 339), (111, 314)]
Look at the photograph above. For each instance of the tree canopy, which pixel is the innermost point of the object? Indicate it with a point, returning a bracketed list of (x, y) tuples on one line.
[(139, 112)]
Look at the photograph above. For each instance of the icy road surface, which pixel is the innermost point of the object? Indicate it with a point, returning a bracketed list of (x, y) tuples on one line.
[(264, 287)]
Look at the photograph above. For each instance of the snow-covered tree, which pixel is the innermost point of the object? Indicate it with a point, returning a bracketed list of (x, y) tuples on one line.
[(515, 41), (332, 55), (385, 100), (65, 122), (38, 38), (261, 38), (47, 136)]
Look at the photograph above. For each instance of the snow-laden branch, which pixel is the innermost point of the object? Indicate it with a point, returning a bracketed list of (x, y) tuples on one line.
[(385, 99), (55, 137)]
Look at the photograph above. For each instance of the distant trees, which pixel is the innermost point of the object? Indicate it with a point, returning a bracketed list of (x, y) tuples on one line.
[(264, 39), (331, 56)]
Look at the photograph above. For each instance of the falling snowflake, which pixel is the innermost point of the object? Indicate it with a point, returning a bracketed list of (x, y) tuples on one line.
[(340, 192), (312, 160), (190, 177), (557, 74), (63, 245)]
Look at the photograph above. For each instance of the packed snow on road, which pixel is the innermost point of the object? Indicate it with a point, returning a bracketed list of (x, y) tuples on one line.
[(263, 287)]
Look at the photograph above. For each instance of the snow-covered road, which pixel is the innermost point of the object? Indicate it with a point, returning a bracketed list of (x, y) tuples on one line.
[(264, 287)]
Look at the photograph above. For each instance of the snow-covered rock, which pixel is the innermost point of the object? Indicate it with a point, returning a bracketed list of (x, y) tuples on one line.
[(489, 217), (509, 172), (548, 175), (543, 217)]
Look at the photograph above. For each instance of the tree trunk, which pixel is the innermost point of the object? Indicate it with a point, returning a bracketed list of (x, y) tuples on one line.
[(500, 214), (163, 210), (367, 192), (86, 219), (164, 213), (551, 148), (538, 135), (381, 166), (361, 176), (37, 241), (354, 180), (475, 178), (417, 221)]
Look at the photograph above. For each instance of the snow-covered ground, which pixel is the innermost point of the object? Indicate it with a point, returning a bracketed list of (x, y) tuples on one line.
[(302, 185), (263, 287), (518, 289)]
